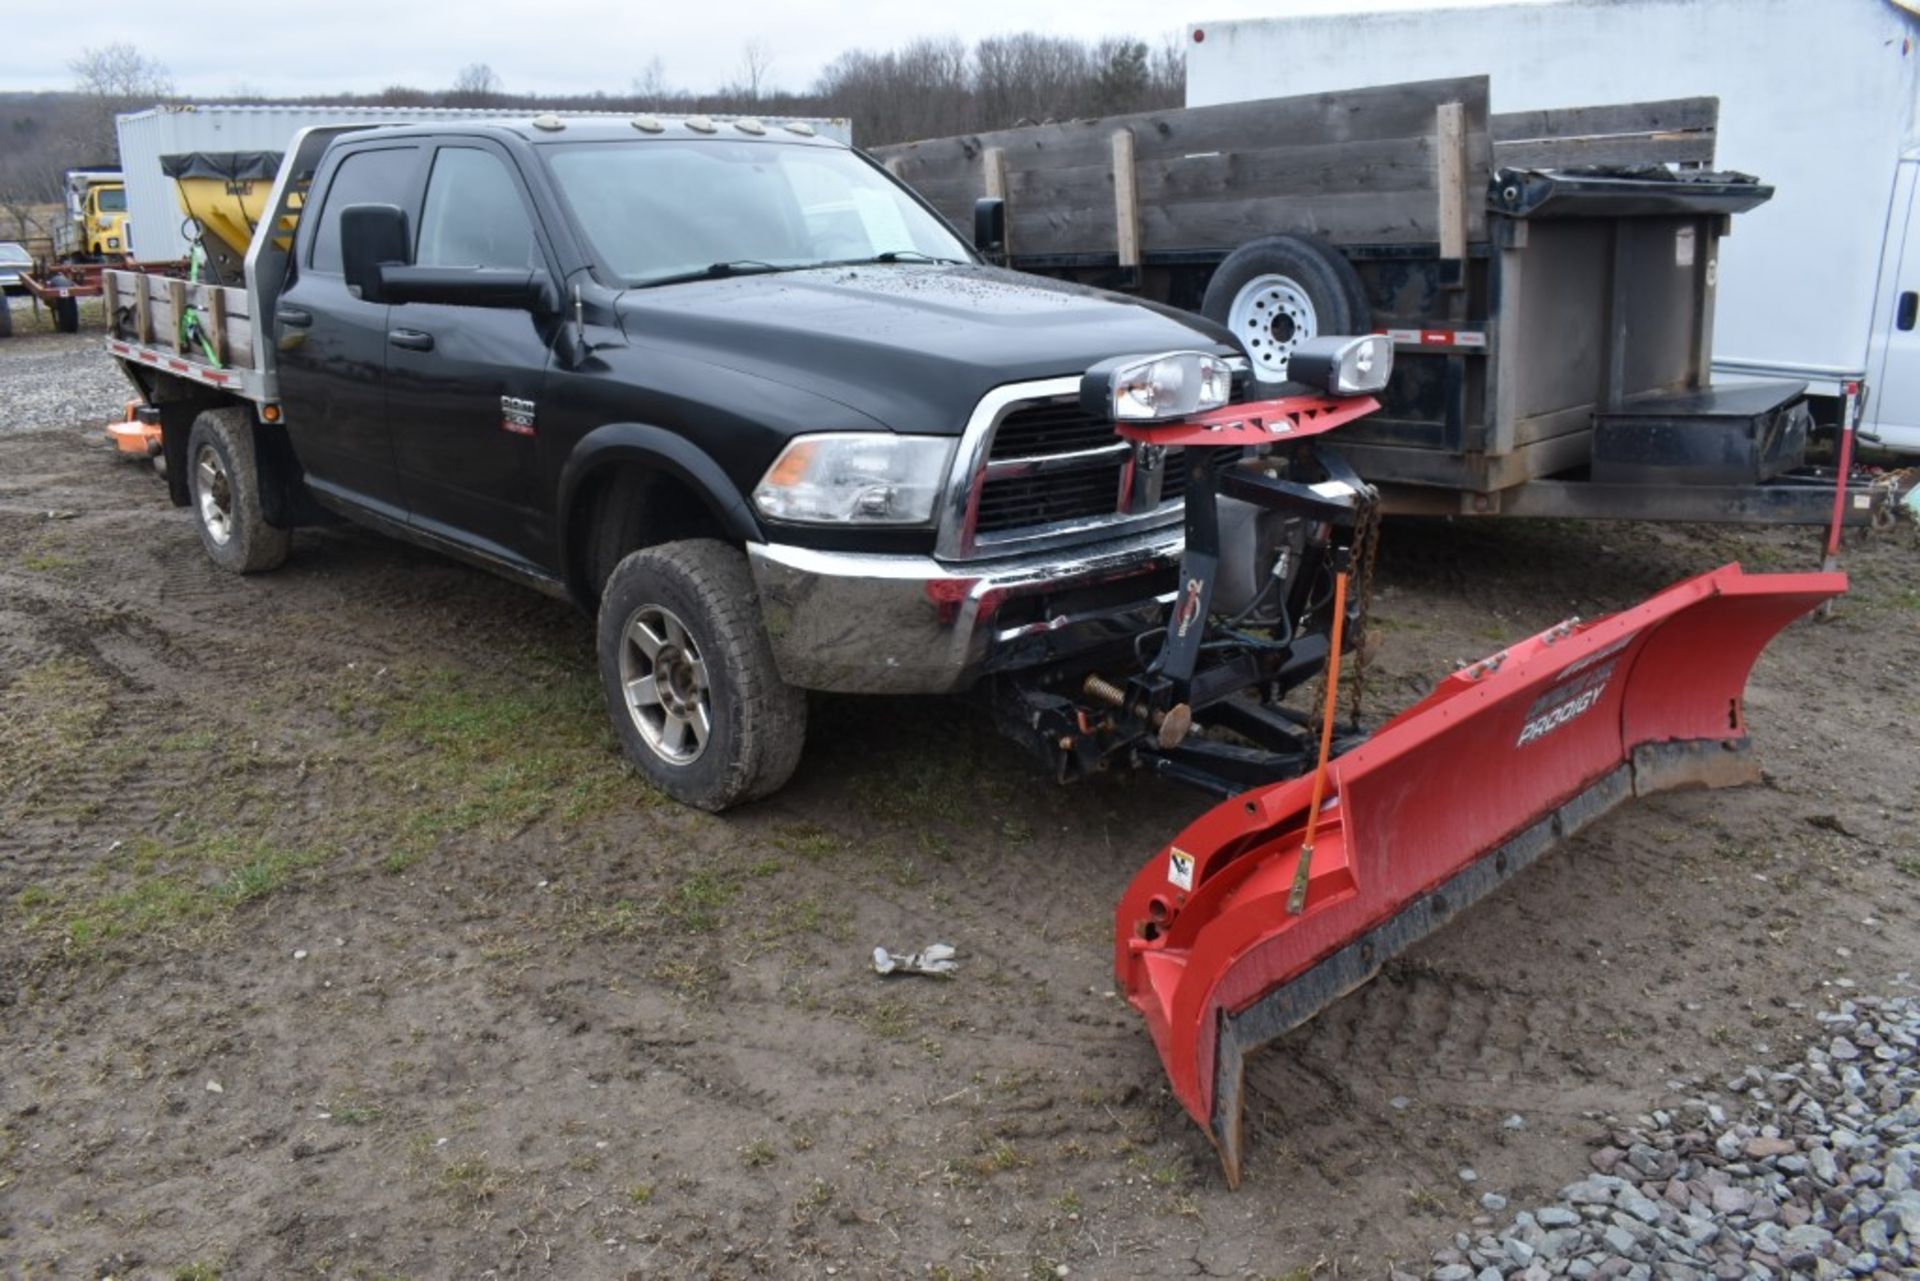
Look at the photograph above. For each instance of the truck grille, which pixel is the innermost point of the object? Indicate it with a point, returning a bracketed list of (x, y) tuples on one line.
[(1051, 462)]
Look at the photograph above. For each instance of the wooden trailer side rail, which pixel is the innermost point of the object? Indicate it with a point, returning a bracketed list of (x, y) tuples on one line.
[(143, 325)]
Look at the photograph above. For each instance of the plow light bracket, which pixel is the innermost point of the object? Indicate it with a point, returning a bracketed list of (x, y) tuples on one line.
[(1343, 366), (1145, 389)]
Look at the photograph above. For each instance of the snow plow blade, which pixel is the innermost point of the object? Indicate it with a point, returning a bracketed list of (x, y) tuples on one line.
[(1505, 759)]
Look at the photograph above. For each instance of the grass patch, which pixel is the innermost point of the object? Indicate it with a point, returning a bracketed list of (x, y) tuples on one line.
[(49, 716), (47, 562), (489, 757), (163, 888)]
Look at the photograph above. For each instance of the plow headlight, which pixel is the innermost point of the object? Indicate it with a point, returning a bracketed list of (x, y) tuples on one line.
[(855, 478), (1343, 366), (1150, 388)]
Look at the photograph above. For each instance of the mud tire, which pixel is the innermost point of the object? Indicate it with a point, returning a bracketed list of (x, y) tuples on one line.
[(220, 456), (758, 723)]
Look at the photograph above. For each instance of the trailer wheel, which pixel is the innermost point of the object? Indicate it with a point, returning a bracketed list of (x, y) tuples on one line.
[(1277, 292), (690, 679), (66, 315), (6, 316), (223, 478)]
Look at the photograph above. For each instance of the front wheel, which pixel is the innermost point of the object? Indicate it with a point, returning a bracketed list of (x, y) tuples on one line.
[(690, 679)]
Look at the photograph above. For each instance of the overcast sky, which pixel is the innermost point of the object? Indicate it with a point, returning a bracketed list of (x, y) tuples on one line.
[(552, 46)]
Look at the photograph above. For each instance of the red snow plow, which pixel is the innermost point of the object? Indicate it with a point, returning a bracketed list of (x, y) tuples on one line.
[(1444, 803), (1333, 848)]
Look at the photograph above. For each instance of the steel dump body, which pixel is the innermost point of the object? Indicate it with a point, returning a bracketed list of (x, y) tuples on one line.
[(1540, 274), (1504, 760)]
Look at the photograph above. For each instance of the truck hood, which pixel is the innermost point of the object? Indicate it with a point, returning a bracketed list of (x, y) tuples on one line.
[(910, 346)]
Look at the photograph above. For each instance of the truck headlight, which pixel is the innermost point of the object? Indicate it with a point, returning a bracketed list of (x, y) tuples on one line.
[(856, 478), (113, 242), (1150, 388), (1343, 366)]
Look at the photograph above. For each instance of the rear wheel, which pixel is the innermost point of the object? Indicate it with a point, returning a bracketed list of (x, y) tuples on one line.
[(223, 480), (1277, 292), (690, 679)]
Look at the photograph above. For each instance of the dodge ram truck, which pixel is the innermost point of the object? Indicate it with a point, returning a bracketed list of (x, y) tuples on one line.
[(728, 385)]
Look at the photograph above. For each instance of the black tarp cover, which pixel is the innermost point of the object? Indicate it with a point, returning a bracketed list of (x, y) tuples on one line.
[(233, 166)]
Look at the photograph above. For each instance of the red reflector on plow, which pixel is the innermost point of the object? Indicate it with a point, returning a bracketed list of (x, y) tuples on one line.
[(1505, 759)]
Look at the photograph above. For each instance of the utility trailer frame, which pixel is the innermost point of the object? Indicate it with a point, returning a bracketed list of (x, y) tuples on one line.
[(1536, 307)]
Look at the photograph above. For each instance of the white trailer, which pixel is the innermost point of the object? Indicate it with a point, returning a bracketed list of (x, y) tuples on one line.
[(1820, 98), (145, 136)]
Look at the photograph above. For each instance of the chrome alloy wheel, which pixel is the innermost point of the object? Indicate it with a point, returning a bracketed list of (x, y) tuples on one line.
[(1271, 315), (665, 681), (214, 489)]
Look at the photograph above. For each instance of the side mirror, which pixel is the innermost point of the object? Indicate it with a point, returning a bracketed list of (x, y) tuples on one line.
[(990, 227), (370, 237)]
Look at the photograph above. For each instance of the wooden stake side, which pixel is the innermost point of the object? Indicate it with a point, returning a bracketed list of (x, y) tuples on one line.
[(1450, 163), (1126, 200)]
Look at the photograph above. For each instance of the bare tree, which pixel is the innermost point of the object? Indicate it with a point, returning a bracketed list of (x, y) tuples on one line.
[(756, 61), (475, 86), (650, 86), (115, 78)]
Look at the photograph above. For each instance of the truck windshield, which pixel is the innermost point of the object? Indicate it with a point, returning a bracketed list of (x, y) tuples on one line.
[(113, 200), (663, 211)]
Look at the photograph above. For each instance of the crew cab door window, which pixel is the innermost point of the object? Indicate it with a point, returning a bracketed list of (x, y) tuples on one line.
[(474, 216), (383, 177)]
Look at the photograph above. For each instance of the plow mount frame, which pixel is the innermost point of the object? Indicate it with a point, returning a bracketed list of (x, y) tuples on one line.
[(1506, 759)]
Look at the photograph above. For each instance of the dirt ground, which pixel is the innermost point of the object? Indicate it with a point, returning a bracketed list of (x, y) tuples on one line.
[(335, 941)]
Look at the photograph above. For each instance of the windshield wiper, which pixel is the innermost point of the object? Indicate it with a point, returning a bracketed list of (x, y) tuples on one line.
[(897, 255), (715, 270)]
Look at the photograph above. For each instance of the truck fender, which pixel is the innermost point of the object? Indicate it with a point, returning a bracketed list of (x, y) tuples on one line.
[(667, 452)]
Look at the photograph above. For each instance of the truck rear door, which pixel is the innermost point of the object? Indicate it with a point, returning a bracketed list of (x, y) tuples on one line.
[(464, 382), (1893, 358), (332, 344)]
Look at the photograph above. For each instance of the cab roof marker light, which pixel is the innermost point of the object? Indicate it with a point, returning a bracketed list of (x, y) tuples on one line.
[(647, 124), (549, 122), (701, 124), (750, 125), (800, 127)]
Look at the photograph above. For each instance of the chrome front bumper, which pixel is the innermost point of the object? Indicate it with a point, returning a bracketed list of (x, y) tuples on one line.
[(871, 624)]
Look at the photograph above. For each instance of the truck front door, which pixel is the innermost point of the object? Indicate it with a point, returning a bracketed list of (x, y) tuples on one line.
[(464, 382), (332, 344)]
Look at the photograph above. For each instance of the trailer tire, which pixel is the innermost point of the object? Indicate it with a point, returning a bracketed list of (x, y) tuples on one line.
[(6, 316), (66, 315), (693, 604), (223, 478), (1277, 291)]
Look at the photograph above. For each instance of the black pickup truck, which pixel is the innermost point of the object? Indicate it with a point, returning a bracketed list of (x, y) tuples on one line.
[(728, 384)]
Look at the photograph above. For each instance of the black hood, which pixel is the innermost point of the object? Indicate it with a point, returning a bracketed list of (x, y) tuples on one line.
[(913, 347)]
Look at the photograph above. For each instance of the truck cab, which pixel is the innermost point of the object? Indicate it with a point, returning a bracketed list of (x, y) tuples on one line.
[(730, 385), (96, 229)]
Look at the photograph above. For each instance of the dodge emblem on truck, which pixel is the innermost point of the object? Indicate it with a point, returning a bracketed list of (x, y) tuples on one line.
[(516, 415)]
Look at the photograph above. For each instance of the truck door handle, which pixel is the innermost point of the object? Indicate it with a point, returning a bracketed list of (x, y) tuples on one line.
[(293, 317), (1904, 314), (411, 339)]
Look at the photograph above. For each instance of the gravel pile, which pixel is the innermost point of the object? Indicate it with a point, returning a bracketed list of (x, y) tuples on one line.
[(50, 379), (1805, 1172)]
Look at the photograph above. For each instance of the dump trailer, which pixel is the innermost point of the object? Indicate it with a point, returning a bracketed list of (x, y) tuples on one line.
[(774, 454), (1550, 293)]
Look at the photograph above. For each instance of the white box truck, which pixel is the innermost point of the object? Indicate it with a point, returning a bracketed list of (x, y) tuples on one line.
[(1820, 98)]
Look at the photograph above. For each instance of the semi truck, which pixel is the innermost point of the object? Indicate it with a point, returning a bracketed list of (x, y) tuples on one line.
[(1819, 284), (752, 404)]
